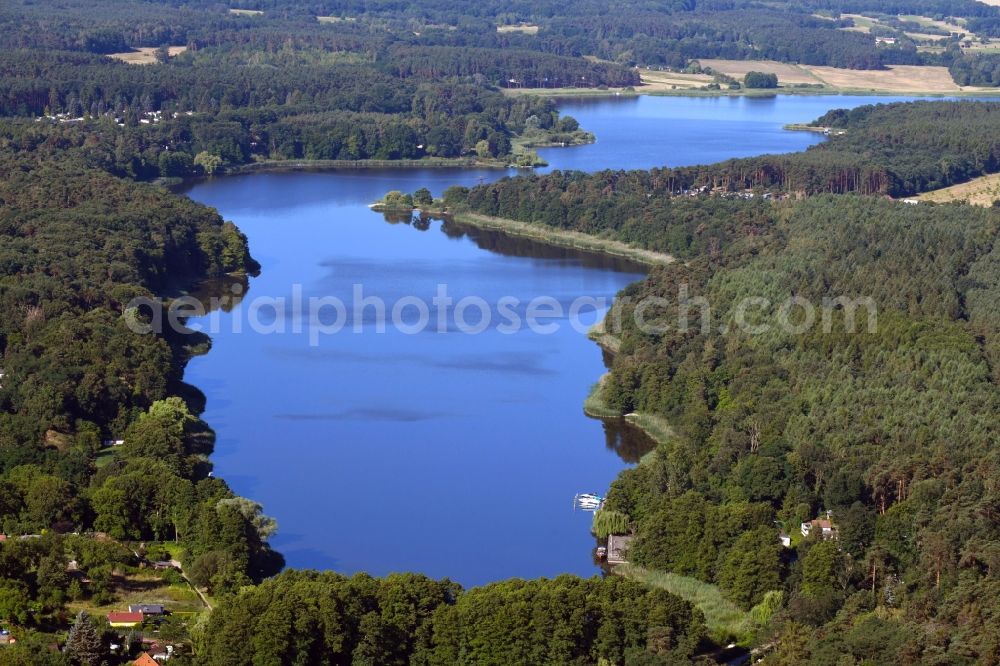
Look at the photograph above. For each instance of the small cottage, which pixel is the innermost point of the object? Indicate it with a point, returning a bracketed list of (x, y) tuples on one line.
[(825, 526), (124, 620)]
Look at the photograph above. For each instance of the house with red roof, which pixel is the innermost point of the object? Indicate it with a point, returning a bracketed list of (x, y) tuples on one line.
[(124, 620), (824, 526)]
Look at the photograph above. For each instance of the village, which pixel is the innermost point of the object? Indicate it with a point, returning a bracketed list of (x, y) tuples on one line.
[(132, 600)]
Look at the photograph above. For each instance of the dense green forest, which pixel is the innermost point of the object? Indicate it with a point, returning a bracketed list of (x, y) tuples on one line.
[(892, 429), (409, 619), (153, 122), (461, 40)]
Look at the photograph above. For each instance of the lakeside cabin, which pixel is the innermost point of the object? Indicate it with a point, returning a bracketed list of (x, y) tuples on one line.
[(618, 545)]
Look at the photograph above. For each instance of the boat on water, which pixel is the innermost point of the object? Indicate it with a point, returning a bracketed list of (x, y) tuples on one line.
[(588, 501)]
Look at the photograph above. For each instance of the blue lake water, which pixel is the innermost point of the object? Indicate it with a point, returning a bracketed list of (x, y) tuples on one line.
[(644, 132), (443, 452)]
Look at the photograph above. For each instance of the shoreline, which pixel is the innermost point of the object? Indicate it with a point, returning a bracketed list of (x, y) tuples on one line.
[(563, 238), (268, 166), (576, 93), (556, 237), (655, 427)]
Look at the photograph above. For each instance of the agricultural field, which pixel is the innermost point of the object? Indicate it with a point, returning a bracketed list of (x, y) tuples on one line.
[(981, 46), (944, 25), (334, 19), (788, 74), (866, 23), (145, 55), (246, 12), (924, 37), (656, 80), (897, 79), (978, 192), (861, 23)]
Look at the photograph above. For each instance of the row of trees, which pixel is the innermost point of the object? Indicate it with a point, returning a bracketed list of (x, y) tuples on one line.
[(410, 619)]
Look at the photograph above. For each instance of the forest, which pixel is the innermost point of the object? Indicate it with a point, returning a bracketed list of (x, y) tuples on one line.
[(889, 430), (409, 619), (582, 45)]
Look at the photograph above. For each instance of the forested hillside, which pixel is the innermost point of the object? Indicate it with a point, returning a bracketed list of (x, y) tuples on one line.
[(77, 245), (892, 429)]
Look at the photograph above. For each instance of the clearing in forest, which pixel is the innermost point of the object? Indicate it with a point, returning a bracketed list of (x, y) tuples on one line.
[(981, 191), (145, 55)]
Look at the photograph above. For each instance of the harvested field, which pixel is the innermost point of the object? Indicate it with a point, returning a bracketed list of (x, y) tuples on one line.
[(654, 80), (898, 78), (788, 74)]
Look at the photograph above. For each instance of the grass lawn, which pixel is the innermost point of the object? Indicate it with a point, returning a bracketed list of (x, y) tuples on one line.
[(725, 620), (104, 457)]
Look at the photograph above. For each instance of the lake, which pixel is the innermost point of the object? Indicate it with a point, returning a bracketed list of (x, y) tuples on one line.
[(454, 449)]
